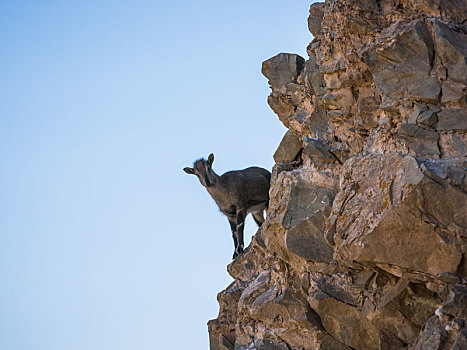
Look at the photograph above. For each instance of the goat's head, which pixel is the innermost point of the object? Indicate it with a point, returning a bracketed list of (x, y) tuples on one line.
[(203, 170)]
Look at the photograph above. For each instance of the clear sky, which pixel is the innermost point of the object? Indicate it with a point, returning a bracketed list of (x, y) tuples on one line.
[(105, 243)]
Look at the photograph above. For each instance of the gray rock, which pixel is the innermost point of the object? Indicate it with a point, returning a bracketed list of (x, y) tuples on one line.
[(459, 144), (428, 118), (418, 139), (305, 219), (401, 65), (454, 9), (313, 77), (452, 119), (318, 124), (389, 195), (453, 93), (428, 90), (281, 167), (414, 115), (433, 335), (315, 18), (319, 153), (288, 149), (306, 199), (263, 344), (279, 106), (451, 48), (282, 69), (456, 305), (307, 240)]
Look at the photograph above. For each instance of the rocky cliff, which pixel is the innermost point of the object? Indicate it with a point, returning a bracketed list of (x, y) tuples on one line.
[(364, 246)]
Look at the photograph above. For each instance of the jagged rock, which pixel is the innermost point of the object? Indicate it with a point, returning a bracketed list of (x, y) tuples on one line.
[(282, 69), (280, 106), (312, 76), (456, 305), (345, 322), (318, 124), (428, 118), (279, 168), (454, 9), (452, 119), (401, 62), (335, 290), (419, 139), (319, 153), (451, 48), (315, 18), (304, 217), (388, 195), (305, 200), (433, 335), (307, 241), (288, 149)]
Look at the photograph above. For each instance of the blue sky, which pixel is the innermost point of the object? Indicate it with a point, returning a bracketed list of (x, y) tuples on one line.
[(105, 243)]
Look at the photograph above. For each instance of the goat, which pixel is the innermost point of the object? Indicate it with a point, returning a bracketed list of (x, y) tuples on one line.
[(236, 193)]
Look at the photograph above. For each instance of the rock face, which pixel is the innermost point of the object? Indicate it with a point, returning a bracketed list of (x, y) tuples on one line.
[(365, 241)]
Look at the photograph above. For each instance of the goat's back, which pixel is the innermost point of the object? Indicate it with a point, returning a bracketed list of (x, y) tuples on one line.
[(251, 184)]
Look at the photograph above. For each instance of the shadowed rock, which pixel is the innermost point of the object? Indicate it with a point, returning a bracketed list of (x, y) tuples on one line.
[(282, 69)]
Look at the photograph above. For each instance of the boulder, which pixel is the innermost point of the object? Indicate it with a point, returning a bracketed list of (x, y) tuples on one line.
[(456, 305), (315, 18), (282, 69), (319, 153), (401, 60), (388, 195), (433, 335), (288, 149), (451, 48), (452, 119), (419, 139), (344, 322), (305, 220)]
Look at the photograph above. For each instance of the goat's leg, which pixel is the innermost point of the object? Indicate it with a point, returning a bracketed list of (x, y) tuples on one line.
[(233, 228), (258, 217), (240, 226)]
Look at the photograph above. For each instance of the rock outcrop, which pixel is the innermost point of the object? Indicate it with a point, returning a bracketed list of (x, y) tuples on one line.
[(365, 242)]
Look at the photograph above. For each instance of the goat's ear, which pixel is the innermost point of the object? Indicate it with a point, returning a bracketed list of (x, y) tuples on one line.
[(211, 159), (189, 171)]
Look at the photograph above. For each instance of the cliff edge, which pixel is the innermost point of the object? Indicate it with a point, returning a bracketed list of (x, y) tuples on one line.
[(364, 246)]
